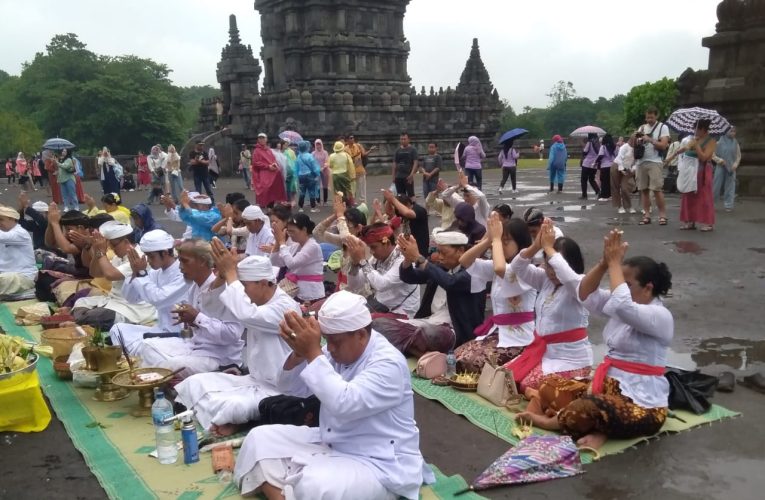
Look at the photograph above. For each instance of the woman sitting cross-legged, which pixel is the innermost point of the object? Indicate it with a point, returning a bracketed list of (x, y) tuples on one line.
[(629, 393), (560, 338)]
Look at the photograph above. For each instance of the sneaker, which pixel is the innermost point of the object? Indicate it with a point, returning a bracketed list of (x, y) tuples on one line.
[(314, 210), (300, 210), (622, 211), (603, 199), (633, 211), (515, 191)]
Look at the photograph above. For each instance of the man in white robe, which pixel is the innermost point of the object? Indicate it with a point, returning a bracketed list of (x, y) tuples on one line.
[(260, 230), (367, 445), (17, 257), (223, 401), (163, 286), (105, 310), (216, 334)]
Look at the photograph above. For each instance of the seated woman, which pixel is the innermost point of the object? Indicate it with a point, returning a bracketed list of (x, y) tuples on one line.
[(143, 221), (503, 335), (464, 222), (113, 206), (302, 258), (560, 341), (629, 393)]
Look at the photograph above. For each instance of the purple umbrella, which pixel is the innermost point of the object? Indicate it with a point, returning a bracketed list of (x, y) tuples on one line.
[(587, 130), (291, 135)]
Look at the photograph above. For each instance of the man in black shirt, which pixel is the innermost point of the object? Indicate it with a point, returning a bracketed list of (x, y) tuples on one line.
[(415, 219), (404, 167), (199, 161)]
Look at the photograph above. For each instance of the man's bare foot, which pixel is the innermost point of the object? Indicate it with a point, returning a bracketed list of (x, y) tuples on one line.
[(223, 430), (594, 440), (541, 421)]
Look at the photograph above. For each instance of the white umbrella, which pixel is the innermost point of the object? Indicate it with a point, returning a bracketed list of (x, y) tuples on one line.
[(587, 130), (685, 119)]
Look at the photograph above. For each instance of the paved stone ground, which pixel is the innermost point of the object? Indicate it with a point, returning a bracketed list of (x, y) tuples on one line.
[(719, 280)]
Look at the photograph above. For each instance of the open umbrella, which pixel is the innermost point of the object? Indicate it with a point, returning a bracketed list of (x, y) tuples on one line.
[(587, 130), (533, 459), (291, 135), (57, 143), (512, 134), (684, 120)]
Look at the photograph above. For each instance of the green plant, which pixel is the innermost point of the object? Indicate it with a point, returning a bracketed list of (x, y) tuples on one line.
[(98, 339)]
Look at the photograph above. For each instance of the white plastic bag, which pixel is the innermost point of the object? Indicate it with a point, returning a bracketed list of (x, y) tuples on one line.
[(687, 174)]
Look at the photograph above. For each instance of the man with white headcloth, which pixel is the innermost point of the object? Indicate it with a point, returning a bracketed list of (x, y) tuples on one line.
[(17, 258), (259, 226), (162, 285), (367, 445), (223, 401), (106, 310), (216, 339)]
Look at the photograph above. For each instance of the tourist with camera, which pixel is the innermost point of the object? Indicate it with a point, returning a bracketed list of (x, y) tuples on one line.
[(651, 139)]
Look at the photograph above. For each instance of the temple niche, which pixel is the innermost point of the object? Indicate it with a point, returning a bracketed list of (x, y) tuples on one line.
[(734, 83), (333, 67)]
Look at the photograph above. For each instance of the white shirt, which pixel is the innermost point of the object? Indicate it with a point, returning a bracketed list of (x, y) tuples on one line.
[(161, 287), (17, 253), (158, 162), (508, 295), (481, 207), (625, 159), (651, 155), (138, 312), (367, 413), (636, 332), (384, 279), (256, 240), (217, 334), (266, 351), (558, 309), (303, 261)]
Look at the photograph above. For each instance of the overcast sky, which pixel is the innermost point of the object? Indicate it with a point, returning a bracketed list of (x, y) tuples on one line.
[(603, 46)]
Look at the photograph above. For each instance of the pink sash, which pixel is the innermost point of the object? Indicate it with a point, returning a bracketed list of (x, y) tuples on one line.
[(314, 278), (506, 319)]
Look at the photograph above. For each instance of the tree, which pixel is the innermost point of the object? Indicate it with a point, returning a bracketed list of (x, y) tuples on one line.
[(662, 94), (560, 92), (18, 134), (508, 117), (190, 99)]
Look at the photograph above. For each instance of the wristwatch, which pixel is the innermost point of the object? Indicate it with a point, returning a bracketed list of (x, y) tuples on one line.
[(98, 255), (420, 260), (363, 263), (142, 273)]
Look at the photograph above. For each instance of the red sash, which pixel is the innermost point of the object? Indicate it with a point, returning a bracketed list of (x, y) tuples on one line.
[(506, 319), (532, 354), (628, 366), (315, 278)]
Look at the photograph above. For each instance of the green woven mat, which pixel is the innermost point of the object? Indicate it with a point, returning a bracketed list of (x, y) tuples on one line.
[(500, 421), (115, 445)]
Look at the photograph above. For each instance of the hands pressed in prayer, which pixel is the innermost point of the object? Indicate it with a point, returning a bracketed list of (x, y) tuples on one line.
[(303, 335), (23, 202), (547, 236), (388, 195), (167, 201), (408, 247), (100, 244), (339, 206), (266, 248), (462, 179), (225, 260), (356, 249), (137, 262), (80, 240), (54, 214), (89, 201), (614, 248), (441, 185), (185, 201), (494, 227), (226, 211), (280, 232)]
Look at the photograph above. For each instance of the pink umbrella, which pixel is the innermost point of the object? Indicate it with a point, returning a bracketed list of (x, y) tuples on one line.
[(587, 130)]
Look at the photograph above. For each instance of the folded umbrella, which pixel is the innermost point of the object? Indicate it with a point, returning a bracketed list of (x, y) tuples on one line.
[(57, 143), (512, 134), (587, 130), (291, 135), (685, 119)]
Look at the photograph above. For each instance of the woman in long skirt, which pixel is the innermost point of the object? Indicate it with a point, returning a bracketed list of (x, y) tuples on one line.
[(698, 207)]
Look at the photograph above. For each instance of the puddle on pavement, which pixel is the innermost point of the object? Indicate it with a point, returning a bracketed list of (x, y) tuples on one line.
[(526, 197), (722, 352), (574, 208), (758, 250), (561, 218), (683, 246), (620, 222)]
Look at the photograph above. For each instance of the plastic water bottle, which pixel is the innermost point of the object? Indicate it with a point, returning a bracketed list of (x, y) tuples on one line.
[(164, 430), (451, 364)]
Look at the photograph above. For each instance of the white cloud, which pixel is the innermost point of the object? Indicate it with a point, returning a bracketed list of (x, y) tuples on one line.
[(604, 47)]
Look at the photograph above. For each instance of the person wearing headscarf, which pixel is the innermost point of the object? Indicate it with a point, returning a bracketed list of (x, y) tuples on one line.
[(464, 222), (142, 171), (173, 173), (390, 295), (157, 280), (213, 167), (290, 176), (606, 155), (18, 268), (473, 155), (308, 173), (726, 159), (366, 421), (216, 335), (508, 162), (322, 158), (223, 401), (22, 169), (143, 221), (109, 172), (267, 178), (504, 334), (157, 160), (105, 310), (343, 171)]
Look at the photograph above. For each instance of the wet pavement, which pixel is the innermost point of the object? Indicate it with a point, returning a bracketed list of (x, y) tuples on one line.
[(716, 300)]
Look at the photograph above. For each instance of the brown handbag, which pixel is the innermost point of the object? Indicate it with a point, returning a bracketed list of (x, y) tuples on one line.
[(496, 384)]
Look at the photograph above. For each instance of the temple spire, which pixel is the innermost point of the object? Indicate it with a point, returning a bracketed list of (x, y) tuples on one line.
[(475, 77), (233, 31)]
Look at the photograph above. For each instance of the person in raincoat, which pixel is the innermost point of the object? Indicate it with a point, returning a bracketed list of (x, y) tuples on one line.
[(267, 178), (143, 221), (556, 163), (343, 171), (322, 157), (290, 175), (308, 174)]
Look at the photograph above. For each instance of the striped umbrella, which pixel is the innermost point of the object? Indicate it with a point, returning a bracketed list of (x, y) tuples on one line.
[(685, 119)]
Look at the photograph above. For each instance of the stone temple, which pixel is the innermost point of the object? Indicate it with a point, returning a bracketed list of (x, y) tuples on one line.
[(734, 84), (332, 67)]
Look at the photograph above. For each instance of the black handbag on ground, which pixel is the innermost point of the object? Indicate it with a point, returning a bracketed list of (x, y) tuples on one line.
[(690, 390), (290, 410)]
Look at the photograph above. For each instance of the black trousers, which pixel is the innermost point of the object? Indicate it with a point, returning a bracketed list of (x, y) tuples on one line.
[(403, 187), (508, 172), (202, 178), (588, 175), (605, 182)]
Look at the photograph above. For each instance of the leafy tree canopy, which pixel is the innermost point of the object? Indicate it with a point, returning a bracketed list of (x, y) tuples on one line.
[(662, 94), (18, 134)]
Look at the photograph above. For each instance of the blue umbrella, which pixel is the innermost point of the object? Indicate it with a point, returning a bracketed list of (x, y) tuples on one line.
[(512, 134), (57, 143)]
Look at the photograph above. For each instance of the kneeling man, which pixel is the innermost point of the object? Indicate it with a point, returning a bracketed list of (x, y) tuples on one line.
[(222, 401), (368, 444)]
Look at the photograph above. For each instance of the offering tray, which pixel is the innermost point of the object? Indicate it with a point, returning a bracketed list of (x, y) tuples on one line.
[(143, 380)]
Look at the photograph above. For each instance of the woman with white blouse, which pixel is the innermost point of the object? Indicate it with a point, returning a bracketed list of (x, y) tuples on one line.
[(629, 394), (503, 335), (302, 257), (560, 338)]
